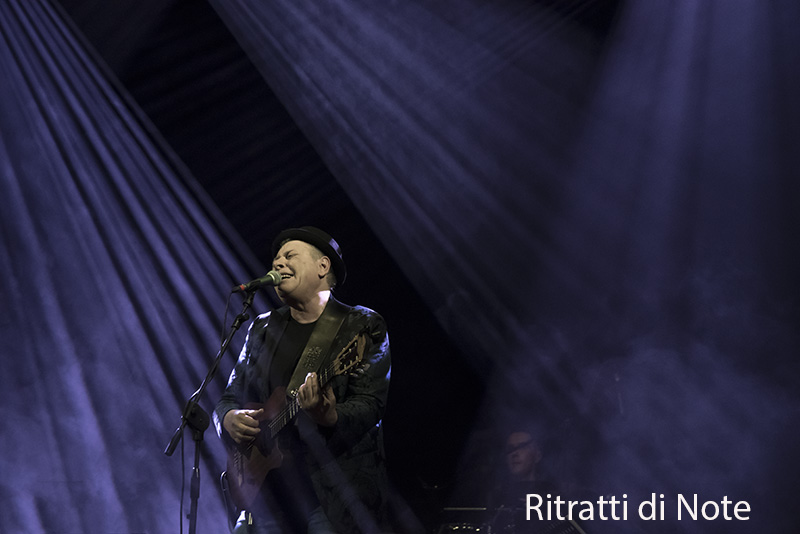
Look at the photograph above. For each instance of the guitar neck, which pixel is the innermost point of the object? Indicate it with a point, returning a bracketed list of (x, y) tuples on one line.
[(293, 405)]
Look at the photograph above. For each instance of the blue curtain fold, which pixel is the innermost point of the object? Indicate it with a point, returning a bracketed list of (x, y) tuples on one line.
[(115, 268)]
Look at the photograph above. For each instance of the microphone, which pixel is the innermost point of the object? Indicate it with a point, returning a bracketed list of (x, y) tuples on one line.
[(272, 278)]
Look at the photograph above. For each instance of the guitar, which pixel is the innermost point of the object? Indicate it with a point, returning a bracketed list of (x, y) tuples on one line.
[(250, 463)]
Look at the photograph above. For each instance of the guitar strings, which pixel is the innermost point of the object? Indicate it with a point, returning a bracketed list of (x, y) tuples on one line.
[(293, 407)]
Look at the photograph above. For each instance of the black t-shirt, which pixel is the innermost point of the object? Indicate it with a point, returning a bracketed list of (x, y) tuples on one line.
[(288, 353)]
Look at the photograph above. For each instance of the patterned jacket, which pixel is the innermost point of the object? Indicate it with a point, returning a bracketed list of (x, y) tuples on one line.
[(346, 462)]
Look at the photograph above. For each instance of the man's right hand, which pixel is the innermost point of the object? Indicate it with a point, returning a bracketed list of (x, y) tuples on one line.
[(242, 425)]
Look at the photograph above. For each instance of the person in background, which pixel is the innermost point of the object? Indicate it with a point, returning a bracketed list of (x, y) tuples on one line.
[(521, 476), (522, 456)]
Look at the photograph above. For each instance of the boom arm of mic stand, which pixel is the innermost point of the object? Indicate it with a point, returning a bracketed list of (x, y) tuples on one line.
[(194, 415)]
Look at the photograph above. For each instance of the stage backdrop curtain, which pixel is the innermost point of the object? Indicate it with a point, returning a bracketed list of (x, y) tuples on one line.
[(470, 134), (611, 221), (115, 273)]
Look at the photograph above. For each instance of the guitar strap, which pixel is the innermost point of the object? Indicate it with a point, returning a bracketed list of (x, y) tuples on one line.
[(319, 343)]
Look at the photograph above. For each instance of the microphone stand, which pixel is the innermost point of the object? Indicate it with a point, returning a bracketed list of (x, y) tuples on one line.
[(197, 419)]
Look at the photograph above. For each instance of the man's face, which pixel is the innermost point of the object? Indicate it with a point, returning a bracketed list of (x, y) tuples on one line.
[(302, 269), (521, 455)]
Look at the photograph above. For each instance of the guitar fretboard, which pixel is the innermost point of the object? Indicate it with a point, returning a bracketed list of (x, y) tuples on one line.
[(292, 407)]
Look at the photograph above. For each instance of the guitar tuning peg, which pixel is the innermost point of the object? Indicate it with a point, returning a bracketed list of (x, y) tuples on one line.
[(360, 370)]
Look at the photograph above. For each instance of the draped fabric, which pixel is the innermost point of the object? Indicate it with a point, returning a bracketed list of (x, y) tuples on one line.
[(610, 226), (115, 270)]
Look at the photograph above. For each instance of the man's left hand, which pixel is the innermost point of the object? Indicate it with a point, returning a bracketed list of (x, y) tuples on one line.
[(317, 402)]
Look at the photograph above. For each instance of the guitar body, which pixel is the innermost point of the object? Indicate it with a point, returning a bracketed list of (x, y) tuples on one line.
[(249, 464)]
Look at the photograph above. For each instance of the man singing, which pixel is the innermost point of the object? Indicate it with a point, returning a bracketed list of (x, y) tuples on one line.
[(325, 469)]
